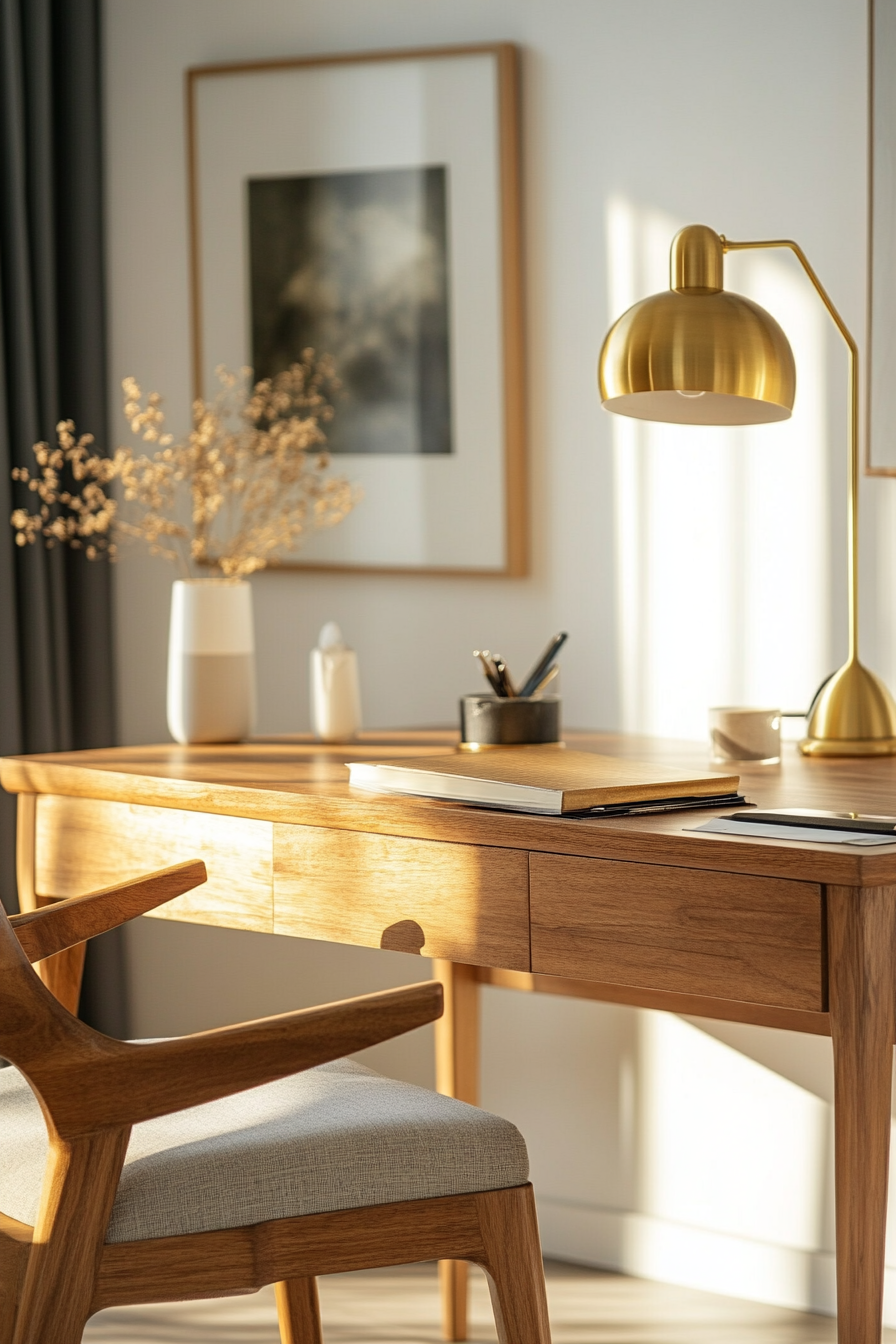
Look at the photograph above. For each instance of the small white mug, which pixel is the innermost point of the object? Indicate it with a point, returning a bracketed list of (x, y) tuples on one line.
[(740, 734)]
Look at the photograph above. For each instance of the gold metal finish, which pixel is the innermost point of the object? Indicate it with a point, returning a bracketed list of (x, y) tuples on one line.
[(697, 355), (509, 746), (853, 715), (696, 263)]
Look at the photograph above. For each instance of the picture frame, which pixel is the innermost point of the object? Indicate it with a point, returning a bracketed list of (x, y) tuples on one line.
[(880, 342), (371, 203)]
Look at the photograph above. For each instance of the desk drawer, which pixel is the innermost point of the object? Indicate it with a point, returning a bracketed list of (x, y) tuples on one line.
[(467, 903), (84, 844), (754, 939)]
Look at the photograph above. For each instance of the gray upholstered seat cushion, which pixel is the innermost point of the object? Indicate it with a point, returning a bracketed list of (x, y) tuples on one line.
[(336, 1137)]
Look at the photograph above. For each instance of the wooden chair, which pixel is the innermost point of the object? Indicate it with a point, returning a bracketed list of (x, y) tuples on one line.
[(99, 1236)]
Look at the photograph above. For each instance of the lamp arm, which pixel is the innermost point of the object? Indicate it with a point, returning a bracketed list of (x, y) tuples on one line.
[(852, 480)]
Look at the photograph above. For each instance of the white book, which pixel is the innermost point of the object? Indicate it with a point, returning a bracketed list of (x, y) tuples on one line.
[(547, 780)]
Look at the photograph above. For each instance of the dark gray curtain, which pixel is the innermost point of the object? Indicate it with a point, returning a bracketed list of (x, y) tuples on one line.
[(56, 674)]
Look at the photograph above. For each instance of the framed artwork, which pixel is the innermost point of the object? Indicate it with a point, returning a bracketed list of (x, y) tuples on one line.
[(368, 206), (880, 422)]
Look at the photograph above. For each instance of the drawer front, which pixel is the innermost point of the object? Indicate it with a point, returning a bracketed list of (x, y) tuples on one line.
[(467, 903), (753, 939), (83, 844)]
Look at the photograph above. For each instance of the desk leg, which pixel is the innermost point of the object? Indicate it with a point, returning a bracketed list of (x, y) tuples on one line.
[(457, 1075), (62, 973), (862, 982)]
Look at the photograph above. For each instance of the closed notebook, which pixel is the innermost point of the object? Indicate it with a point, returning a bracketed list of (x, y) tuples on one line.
[(535, 779)]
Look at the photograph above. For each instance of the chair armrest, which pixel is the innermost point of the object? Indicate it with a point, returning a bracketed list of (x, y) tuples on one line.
[(55, 927), (125, 1083)]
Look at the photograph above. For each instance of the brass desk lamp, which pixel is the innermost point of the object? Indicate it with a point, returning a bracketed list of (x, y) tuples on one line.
[(696, 355)]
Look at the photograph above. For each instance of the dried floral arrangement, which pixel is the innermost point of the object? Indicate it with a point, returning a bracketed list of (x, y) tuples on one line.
[(253, 469)]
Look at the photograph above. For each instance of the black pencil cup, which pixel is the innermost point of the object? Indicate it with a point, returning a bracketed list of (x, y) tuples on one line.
[(492, 721)]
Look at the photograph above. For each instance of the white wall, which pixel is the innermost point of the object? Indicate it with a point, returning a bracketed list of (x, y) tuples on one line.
[(638, 116)]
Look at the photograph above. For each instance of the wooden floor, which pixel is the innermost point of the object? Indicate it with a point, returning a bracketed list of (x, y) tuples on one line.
[(400, 1306)]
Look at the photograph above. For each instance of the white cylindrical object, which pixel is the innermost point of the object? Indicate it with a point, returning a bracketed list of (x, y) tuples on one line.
[(335, 693), (742, 734), (211, 661)]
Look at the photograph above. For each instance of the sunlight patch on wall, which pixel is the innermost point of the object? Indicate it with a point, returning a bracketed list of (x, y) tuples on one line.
[(725, 1143), (721, 534), (882, 627)]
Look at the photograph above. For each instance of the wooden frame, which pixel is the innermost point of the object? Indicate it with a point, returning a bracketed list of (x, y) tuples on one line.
[(506, 56), (92, 1090)]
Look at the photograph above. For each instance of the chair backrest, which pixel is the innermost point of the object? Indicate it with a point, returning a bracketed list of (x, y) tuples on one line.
[(36, 1032)]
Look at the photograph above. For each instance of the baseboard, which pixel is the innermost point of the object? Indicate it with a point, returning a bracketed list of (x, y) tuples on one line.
[(651, 1248)]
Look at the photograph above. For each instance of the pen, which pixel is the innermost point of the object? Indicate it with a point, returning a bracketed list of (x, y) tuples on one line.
[(546, 680), (544, 662), (507, 687), (489, 669)]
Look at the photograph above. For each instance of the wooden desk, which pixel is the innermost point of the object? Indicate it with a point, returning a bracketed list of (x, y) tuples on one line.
[(635, 911)]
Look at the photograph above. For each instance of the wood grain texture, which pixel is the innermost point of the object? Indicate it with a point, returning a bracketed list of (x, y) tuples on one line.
[(79, 1188), (304, 783), (454, 1293), (63, 972), (462, 902), (63, 924), (695, 1005), (15, 1244), (103, 1083), (714, 934), (92, 1089), (26, 823), (84, 844), (297, 783), (88, 1082), (862, 935), (457, 1075), (209, 1264), (63, 975), (497, 1230), (457, 1032), (512, 1260), (513, 311), (578, 779), (298, 1312), (587, 1306)]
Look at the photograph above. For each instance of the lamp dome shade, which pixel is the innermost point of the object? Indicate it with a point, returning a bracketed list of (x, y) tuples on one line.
[(698, 358)]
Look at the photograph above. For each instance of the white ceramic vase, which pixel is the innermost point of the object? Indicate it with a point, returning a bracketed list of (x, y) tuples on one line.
[(211, 661)]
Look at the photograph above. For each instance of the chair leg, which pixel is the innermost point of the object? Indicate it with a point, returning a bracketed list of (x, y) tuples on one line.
[(512, 1261), (453, 1291), (298, 1312), (80, 1181), (15, 1249)]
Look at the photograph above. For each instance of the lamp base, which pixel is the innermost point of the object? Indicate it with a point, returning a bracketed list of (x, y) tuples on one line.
[(853, 715), (846, 746)]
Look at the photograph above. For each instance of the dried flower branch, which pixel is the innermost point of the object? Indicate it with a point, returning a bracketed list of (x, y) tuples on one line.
[(253, 469)]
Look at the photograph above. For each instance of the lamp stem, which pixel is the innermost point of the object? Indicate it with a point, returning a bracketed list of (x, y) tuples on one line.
[(852, 479)]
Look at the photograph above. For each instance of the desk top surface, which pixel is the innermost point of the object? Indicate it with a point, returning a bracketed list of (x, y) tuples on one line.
[(297, 781)]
